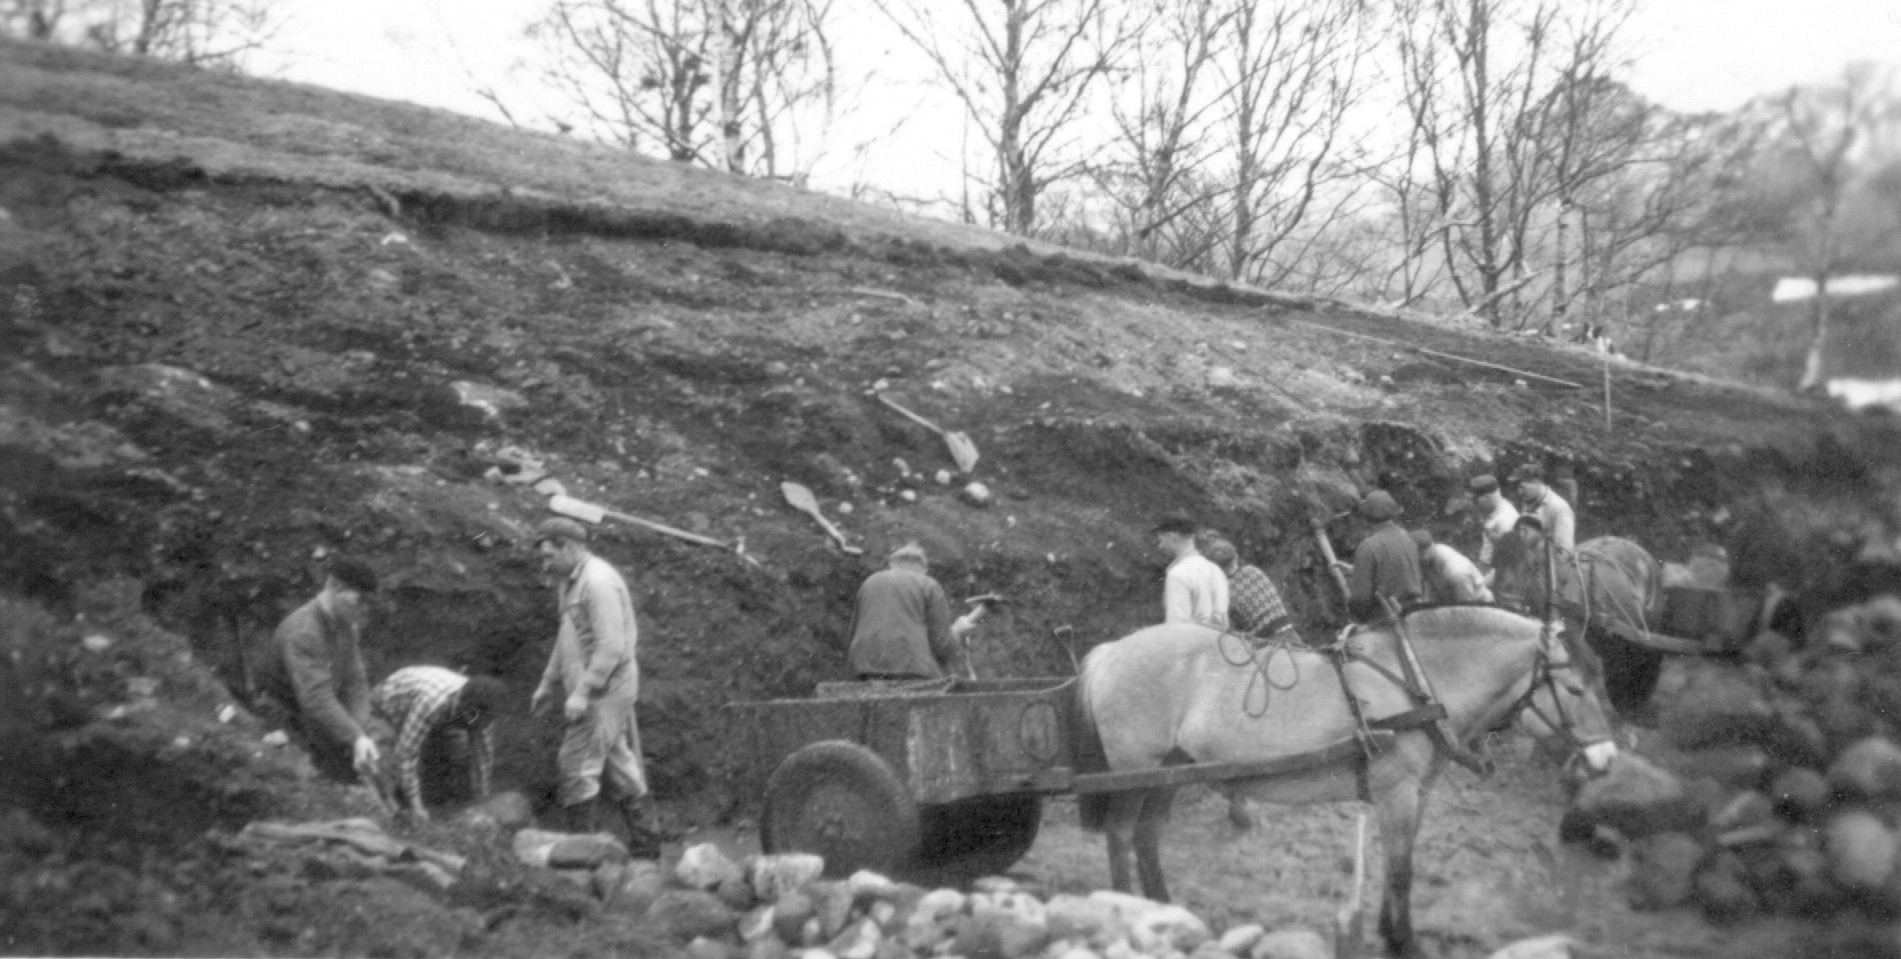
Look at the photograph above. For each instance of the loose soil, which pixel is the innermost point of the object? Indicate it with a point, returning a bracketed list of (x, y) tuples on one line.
[(241, 320)]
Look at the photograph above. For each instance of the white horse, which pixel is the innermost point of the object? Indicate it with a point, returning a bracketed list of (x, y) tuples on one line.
[(1177, 693)]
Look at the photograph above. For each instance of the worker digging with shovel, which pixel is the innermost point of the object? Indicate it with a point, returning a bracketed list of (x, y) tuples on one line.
[(901, 624)]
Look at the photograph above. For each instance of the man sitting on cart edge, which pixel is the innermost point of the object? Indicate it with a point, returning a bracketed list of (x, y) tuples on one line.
[(901, 625)]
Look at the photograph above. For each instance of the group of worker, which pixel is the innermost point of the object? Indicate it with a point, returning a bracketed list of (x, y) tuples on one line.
[(310, 676)]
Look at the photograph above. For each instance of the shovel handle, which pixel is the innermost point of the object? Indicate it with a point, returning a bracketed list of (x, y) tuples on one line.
[(833, 532), (913, 417), (666, 530)]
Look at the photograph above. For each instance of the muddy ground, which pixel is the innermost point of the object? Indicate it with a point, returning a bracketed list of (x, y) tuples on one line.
[(247, 327)]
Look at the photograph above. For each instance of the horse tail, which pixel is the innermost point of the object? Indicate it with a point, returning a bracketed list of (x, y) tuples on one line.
[(1089, 756)]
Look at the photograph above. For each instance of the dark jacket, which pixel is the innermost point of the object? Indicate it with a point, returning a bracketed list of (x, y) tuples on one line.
[(901, 626), (1386, 563), (313, 663)]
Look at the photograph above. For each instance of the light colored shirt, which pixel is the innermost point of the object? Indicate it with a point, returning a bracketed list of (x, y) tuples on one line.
[(1560, 522), (1451, 578), (594, 651), (1195, 591), (1496, 526)]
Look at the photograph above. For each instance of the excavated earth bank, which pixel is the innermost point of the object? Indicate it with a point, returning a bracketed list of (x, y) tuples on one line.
[(248, 326)]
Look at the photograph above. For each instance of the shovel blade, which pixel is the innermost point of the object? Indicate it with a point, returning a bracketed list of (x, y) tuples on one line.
[(962, 450), (576, 509)]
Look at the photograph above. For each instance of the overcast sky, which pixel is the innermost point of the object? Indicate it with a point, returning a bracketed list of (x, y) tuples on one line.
[(1690, 55)]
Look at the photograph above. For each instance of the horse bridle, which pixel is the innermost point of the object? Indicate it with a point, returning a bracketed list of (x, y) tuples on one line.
[(1545, 674)]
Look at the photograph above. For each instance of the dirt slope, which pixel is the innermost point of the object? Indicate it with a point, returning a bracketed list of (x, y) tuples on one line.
[(242, 323)]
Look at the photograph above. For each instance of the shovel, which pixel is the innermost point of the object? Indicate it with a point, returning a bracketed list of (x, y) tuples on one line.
[(962, 450), (803, 501), (590, 513)]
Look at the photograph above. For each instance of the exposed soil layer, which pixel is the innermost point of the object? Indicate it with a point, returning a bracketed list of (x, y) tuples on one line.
[(247, 327)]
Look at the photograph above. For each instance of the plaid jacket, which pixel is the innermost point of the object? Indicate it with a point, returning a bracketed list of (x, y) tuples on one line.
[(417, 700)]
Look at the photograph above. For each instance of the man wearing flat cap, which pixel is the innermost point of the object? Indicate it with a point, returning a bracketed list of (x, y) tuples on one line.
[(1385, 564), (311, 672), (1540, 500), (901, 625), (1195, 589), (594, 668), (1496, 515)]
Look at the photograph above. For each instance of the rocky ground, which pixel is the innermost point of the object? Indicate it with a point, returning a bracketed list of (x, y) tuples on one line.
[(247, 327)]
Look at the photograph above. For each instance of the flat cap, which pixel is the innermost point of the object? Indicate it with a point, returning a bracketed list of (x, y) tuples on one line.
[(1482, 484), (1175, 523), (560, 527), (1378, 505), (353, 574)]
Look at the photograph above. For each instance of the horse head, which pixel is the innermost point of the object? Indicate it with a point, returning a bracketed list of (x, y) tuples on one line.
[(1562, 703)]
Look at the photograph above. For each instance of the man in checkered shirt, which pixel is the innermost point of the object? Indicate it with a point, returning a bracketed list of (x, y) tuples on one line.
[(1254, 605), (420, 702)]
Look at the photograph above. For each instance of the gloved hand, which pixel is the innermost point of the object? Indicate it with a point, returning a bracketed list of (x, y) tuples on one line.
[(576, 708)]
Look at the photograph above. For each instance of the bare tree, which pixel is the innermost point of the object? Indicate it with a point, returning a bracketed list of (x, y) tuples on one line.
[(1025, 72), (720, 83), (1509, 100), (1824, 129), (1293, 76), (207, 33)]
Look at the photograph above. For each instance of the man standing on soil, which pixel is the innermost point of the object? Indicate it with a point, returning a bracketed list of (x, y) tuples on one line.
[(428, 706), (1539, 500), (1497, 518), (901, 625), (1385, 564), (312, 672), (1195, 590), (594, 667)]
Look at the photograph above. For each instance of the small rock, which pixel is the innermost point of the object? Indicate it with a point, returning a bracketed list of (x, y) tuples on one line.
[(858, 941), (943, 477), (1745, 809), (687, 913), (1735, 766), (1663, 870), (1221, 376), (767, 948), (773, 876), (585, 852), (976, 494), (704, 866), (1168, 927), (757, 924), (1016, 922), (1868, 769), (96, 643), (608, 879), (1086, 920), (1539, 947), (845, 509), (1861, 850), (909, 496), (736, 893), (1293, 942), (777, 368), (832, 903), (276, 737), (868, 886), (789, 915)]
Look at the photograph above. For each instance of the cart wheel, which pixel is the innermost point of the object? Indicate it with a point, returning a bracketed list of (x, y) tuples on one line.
[(979, 837), (839, 800)]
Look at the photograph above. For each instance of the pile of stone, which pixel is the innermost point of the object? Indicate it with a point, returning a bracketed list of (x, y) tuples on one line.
[(774, 906), (1789, 794)]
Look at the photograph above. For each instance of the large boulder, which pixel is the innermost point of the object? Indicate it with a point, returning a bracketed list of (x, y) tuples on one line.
[(1636, 797), (560, 850), (1663, 870), (1293, 942), (704, 866), (774, 876), (1716, 705), (1800, 794), (689, 913), (1868, 769), (1861, 850), (1723, 890)]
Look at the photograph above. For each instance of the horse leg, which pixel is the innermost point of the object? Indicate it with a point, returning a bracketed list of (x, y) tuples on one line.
[(1399, 809), (1118, 828), (1156, 805)]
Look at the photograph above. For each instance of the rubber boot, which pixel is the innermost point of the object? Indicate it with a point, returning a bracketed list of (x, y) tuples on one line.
[(584, 816), (643, 841)]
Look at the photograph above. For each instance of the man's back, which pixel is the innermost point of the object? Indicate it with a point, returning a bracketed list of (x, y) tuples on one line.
[(1195, 591), (900, 626), (1386, 563)]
